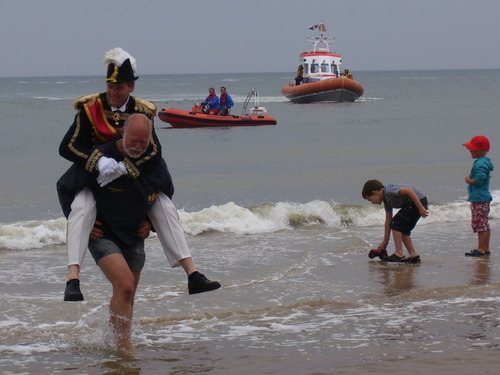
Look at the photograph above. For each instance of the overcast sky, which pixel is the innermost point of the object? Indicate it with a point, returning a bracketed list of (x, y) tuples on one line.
[(68, 37)]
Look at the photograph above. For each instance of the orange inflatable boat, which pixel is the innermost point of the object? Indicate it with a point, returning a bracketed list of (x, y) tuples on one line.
[(340, 89), (196, 119)]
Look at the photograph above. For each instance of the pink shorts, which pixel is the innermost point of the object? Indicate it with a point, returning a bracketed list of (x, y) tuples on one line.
[(480, 211)]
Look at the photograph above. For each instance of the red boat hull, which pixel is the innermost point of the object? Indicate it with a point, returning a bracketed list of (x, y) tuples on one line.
[(184, 119)]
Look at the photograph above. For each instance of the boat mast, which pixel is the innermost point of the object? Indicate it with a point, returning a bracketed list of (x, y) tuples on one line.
[(321, 39)]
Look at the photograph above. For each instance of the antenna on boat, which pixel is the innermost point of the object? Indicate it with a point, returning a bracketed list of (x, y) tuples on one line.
[(321, 39)]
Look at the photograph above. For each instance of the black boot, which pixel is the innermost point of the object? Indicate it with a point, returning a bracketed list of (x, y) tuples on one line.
[(72, 292), (198, 283)]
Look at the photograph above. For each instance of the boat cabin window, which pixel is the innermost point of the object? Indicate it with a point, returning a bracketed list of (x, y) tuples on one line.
[(324, 68), (335, 70), (306, 68), (314, 68)]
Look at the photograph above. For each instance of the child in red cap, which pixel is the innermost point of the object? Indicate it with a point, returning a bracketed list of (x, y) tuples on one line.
[(479, 193)]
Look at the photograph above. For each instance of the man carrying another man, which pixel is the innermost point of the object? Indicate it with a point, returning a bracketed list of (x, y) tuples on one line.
[(122, 213), (99, 119)]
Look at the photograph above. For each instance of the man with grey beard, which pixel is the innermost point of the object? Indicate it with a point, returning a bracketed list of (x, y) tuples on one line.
[(122, 216)]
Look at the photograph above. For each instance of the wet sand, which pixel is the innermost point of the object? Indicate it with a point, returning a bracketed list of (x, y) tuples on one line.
[(299, 302)]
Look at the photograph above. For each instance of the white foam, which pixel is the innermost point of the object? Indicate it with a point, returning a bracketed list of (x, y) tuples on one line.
[(264, 218), (226, 218), (32, 234), (27, 349)]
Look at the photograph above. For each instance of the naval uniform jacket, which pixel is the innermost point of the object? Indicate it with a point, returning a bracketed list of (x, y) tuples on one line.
[(123, 204), (94, 125)]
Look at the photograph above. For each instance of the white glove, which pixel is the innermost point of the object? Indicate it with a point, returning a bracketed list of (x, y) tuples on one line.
[(107, 165), (104, 179), (122, 168)]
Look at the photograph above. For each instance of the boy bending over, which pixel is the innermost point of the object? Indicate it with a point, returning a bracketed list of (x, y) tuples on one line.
[(412, 204)]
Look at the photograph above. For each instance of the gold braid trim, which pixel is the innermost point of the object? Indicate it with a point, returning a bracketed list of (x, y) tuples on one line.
[(71, 144), (150, 156), (145, 106), (91, 165), (114, 75), (83, 99), (132, 170)]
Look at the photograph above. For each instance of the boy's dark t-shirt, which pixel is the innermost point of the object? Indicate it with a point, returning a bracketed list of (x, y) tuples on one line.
[(392, 199)]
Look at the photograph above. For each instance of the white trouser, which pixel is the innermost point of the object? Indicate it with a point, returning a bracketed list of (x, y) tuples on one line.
[(165, 220), (163, 216), (80, 223)]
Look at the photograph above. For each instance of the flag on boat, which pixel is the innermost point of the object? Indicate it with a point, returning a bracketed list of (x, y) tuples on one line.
[(321, 27)]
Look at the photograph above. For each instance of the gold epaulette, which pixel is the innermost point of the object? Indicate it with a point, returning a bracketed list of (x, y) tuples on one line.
[(145, 106), (84, 99)]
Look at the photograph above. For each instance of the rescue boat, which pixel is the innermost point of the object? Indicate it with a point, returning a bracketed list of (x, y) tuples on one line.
[(319, 78), (195, 118)]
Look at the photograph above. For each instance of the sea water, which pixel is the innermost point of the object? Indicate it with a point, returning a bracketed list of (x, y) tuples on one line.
[(275, 214)]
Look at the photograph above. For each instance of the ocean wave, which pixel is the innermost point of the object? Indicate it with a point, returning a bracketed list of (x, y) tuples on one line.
[(26, 235), (271, 217), (232, 218)]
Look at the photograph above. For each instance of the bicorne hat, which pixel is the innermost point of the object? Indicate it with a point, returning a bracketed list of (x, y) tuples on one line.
[(122, 67)]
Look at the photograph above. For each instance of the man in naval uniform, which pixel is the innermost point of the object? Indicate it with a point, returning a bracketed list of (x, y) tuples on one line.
[(99, 119)]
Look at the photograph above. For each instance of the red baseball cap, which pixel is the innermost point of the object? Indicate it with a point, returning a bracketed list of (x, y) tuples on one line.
[(479, 142)]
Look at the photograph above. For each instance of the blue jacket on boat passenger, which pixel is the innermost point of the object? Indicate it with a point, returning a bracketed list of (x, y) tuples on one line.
[(211, 103), (225, 102)]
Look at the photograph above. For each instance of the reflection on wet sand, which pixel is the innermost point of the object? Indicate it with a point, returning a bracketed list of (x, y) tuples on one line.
[(481, 271), (396, 278)]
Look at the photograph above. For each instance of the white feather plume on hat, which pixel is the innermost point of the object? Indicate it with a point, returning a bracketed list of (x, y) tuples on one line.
[(117, 56)]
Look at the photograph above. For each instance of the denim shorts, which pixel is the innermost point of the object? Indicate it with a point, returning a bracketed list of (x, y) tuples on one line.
[(134, 256), (407, 217)]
